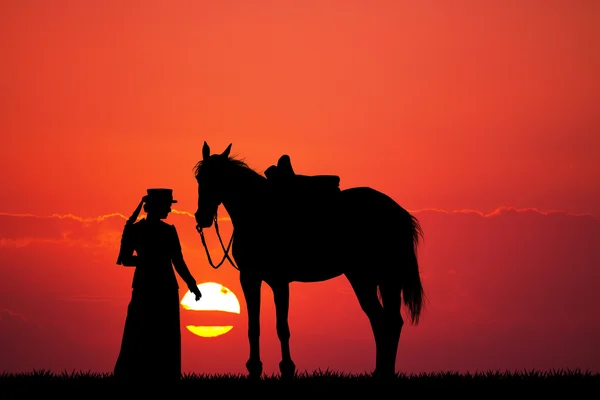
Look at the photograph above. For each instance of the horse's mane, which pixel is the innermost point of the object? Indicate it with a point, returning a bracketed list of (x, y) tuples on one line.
[(234, 163)]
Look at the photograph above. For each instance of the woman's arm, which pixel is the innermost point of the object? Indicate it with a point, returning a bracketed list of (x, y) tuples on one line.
[(126, 257), (181, 266)]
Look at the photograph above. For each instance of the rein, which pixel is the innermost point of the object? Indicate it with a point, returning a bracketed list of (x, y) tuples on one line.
[(225, 250)]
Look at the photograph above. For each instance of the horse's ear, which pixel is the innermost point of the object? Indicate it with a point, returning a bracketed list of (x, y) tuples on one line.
[(205, 151), (226, 152)]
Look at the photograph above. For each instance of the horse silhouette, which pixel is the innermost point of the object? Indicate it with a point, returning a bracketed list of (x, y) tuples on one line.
[(296, 228)]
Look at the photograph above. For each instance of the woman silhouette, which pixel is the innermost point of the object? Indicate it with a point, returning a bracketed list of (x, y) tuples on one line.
[(151, 343)]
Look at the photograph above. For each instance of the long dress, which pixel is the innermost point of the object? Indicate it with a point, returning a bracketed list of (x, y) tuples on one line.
[(151, 343)]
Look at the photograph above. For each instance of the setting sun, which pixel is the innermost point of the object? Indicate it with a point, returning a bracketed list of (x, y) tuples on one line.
[(215, 297)]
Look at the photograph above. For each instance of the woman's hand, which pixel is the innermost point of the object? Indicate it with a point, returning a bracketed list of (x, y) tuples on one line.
[(194, 289)]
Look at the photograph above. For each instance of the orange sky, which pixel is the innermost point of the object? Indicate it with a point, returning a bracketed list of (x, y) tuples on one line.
[(474, 105)]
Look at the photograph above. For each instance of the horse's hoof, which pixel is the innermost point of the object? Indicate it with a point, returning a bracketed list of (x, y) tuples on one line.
[(255, 369), (287, 368)]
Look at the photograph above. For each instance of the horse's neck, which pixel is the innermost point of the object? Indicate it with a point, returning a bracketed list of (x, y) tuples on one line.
[(245, 201)]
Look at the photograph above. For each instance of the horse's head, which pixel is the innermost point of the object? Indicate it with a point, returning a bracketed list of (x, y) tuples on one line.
[(211, 174)]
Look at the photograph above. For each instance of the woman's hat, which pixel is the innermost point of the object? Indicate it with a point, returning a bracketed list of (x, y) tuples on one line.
[(160, 195)]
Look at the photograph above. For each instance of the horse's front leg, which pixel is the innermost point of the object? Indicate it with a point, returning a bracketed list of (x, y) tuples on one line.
[(251, 288), (281, 295)]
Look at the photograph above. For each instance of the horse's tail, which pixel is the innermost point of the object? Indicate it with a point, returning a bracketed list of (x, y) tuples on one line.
[(412, 289)]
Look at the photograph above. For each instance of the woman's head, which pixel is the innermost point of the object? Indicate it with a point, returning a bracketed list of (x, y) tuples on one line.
[(161, 210), (157, 203)]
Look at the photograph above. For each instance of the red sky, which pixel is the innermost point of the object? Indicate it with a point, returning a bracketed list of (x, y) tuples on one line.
[(476, 106)]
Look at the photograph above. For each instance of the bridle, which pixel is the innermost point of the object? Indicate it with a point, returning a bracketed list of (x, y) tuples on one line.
[(225, 250)]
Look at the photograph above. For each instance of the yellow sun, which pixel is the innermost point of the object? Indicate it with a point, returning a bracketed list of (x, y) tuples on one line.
[(215, 297), (209, 331)]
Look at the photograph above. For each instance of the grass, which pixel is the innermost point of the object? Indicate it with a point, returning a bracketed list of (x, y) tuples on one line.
[(319, 383)]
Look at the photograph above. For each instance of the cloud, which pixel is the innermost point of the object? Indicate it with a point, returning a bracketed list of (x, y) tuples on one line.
[(21, 230), (503, 210)]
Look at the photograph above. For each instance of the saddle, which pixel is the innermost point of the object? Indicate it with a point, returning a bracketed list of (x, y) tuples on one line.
[(301, 196)]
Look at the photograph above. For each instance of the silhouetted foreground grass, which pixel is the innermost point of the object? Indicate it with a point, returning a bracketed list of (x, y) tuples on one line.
[(317, 384)]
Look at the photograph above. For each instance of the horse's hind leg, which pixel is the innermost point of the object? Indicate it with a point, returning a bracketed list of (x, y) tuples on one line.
[(281, 296), (393, 322), (251, 288), (366, 292)]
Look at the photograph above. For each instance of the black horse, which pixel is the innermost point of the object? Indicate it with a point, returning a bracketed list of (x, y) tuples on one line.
[(285, 232)]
